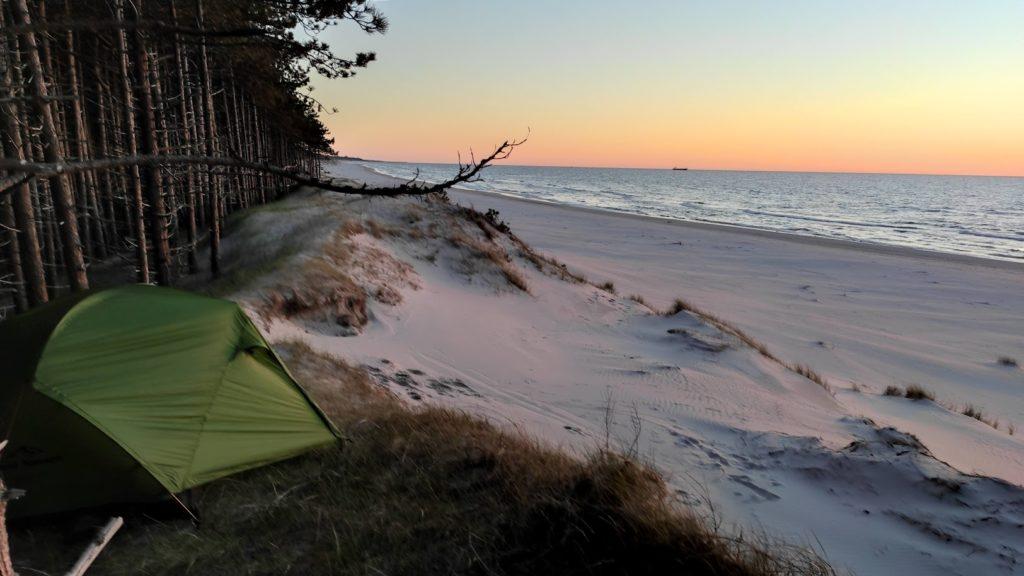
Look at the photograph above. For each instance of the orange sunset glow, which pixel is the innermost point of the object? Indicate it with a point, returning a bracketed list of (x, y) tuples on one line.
[(826, 87)]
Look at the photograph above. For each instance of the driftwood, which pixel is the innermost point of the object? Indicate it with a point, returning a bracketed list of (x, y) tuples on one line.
[(26, 171), (96, 546)]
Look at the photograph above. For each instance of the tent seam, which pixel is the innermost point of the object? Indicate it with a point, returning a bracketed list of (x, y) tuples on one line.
[(209, 408)]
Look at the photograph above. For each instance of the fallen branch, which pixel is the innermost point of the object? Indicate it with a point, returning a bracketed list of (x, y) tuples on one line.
[(96, 546), (26, 171)]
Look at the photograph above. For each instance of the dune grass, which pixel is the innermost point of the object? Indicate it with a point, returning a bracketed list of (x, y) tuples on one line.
[(639, 300), (810, 374), (917, 392), (486, 250), (680, 305), (971, 411), (429, 491)]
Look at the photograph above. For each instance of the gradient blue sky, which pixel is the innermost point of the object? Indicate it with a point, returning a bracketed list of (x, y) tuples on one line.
[(868, 86)]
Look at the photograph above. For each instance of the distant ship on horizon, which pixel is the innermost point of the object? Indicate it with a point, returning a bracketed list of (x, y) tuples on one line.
[(680, 168)]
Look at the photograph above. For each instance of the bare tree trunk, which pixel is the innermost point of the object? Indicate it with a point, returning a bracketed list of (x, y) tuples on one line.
[(64, 200), (234, 137), (159, 114), (211, 136), (154, 183), (198, 128), (31, 259), (77, 123), (13, 254), (52, 256), (184, 104), (102, 139), (138, 212)]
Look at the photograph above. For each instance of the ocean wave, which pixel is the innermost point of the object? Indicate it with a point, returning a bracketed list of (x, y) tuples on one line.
[(830, 220), (978, 216), (1015, 238)]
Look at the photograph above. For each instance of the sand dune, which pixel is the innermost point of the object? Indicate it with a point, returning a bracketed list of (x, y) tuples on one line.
[(769, 447)]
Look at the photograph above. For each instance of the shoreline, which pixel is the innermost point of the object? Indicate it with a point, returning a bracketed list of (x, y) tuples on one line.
[(864, 316), (821, 241), (547, 354), (806, 239)]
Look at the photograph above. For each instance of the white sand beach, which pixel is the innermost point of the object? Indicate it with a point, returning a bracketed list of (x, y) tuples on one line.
[(859, 314), (883, 484)]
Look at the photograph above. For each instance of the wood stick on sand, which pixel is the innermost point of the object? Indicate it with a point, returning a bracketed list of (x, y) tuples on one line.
[(93, 551)]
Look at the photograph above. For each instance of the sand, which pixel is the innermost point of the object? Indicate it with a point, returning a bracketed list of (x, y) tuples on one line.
[(884, 484)]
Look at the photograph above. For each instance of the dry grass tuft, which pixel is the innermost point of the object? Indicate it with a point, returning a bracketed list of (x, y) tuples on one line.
[(917, 392), (972, 412), (378, 230), (432, 491), (352, 228), (515, 278), (491, 252), (807, 372), (978, 414), (335, 284), (369, 226), (344, 303), (1008, 362), (680, 305), (413, 214), (546, 264), (322, 291), (893, 391), (608, 287), (491, 224), (639, 300)]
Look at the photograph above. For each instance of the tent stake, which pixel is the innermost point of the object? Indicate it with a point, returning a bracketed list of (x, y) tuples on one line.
[(94, 549)]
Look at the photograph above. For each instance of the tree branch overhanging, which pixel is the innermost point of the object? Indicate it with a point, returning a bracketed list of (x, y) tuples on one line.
[(467, 172)]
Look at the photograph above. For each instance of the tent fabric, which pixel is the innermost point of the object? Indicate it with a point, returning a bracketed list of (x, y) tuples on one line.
[(123, 394)]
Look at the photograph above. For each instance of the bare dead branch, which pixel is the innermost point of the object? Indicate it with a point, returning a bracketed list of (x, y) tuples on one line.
[(25, 171), (95, 25)]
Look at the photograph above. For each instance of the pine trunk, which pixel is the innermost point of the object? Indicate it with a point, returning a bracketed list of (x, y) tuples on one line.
[(63, 197), (30, 257), (135, 177), (211, 136), (185, 119)]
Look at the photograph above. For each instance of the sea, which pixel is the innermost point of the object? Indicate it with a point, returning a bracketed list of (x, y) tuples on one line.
[(976, 215)]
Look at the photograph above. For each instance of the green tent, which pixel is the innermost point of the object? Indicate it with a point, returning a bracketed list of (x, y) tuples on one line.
[(124, 395)]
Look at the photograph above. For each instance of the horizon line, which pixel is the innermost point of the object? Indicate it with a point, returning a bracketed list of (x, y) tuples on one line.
[(690, 169)]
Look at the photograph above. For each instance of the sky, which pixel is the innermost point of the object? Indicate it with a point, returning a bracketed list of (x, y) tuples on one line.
[(912, 86)]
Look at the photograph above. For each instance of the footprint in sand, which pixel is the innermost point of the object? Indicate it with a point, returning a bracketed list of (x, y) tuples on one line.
[(747, 483)]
